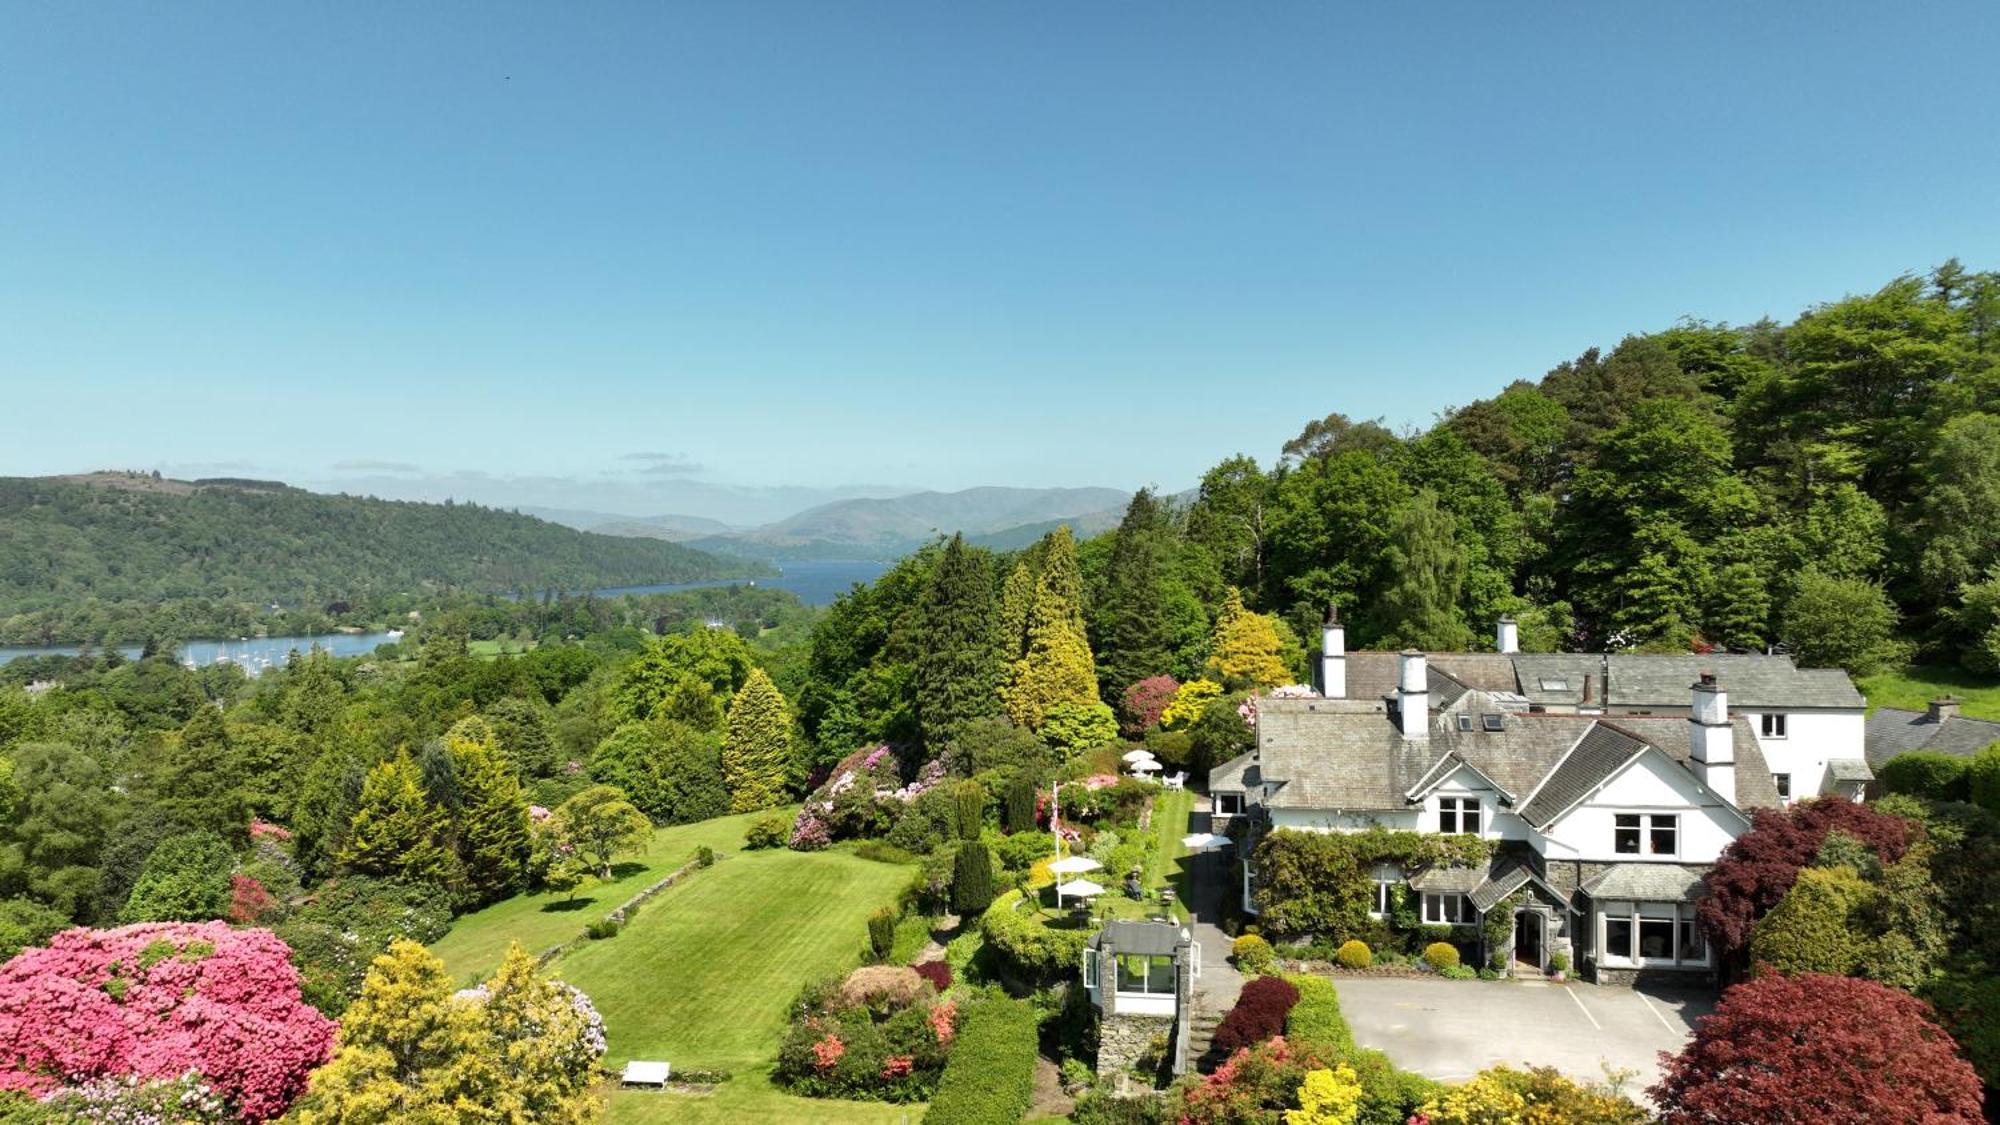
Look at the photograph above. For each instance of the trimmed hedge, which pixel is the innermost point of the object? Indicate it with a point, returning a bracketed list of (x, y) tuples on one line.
[(1355, 955), (990, 1076), (1927, 773), (1315, 1021), (1259, 1014), (1032, 950), (1441, 955), (1253, 954)]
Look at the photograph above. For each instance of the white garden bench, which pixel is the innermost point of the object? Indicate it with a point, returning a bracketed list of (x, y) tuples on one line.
[(645, 1074)]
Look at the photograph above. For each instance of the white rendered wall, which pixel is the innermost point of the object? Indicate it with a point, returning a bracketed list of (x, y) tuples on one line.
[(1812, 739), (1652, 783)]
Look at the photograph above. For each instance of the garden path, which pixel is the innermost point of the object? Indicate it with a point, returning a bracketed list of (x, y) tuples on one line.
[(1208, 881)]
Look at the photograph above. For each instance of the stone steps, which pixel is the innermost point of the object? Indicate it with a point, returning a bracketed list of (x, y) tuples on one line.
[(1201, 1037)]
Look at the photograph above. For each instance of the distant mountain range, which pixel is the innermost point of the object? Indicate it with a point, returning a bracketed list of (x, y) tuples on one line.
[(1004, 519), (99, 554)]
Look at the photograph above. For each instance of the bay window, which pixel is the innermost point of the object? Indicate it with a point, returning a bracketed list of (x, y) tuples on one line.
[(1651, 933)]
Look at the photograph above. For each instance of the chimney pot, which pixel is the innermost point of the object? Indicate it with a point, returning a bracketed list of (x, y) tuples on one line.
[(1507, 634), (1942, 708)]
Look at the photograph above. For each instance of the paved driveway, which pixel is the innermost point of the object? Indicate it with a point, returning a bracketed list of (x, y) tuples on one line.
[(1449, 1029)]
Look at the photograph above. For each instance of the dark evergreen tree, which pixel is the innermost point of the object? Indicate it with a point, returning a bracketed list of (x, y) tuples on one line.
[(1131, 633), (959, 660), (971, 879), (1425, 568)]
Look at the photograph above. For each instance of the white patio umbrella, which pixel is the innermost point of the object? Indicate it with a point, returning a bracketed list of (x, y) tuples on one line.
[(1147, 765), (1205, 841), (1077, 888), (1074, 865), (1137, 755)]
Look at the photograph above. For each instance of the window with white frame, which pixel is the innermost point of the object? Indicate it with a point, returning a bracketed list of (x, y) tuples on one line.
[(1146, 973), (1458, 816), (1646, 833), (1387, 877), (1651, 933), (1449, 910), (1229, 804), (1784, 783), (1773, 726)]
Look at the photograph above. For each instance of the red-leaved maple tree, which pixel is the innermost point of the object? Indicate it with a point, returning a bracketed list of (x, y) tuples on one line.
[(1763, 863), (1822, 1049)]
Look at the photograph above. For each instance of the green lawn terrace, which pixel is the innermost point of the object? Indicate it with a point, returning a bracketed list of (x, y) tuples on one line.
[(702, 974), (1164, 870), (1910, 687)]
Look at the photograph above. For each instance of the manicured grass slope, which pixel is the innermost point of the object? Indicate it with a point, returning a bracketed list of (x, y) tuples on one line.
[(476, 942), (1910, 687), (703, 975)]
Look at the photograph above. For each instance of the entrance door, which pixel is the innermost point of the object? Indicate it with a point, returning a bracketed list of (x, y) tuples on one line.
[(1528, 939)]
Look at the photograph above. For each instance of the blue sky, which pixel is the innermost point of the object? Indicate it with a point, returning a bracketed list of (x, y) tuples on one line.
[(795, 250)]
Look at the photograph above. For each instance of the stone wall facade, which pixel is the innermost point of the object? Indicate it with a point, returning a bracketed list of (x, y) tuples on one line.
[(1122, 1039)]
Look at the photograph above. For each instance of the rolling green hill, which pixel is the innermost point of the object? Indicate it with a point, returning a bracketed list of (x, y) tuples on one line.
[(120, 554)]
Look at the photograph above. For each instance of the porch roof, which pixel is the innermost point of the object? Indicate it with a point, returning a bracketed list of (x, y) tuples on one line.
[(1653, 882), (1502, 883), (1849, 769), (1449, 880)]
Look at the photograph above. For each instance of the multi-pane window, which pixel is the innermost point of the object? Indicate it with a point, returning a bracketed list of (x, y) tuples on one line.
[(1646, 833), (1657, 933), (1458, 816), (1784, 783), (1773, 726), (1228, 804), (1449, 910)]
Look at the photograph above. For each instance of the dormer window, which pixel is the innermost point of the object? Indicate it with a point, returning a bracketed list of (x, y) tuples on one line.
[(1458, 816)]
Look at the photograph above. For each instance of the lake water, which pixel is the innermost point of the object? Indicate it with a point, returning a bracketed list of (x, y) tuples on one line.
[(815, 582)]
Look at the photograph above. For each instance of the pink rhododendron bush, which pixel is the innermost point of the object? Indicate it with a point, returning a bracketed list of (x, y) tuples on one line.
[(161, 1001)]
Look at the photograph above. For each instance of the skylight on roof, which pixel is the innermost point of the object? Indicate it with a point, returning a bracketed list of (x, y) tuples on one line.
[(1493, 721), (1555, 685)]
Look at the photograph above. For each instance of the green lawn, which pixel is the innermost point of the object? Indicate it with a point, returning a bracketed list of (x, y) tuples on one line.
[(1911, 686), (476, 942), (487, 650), (752, 1098)]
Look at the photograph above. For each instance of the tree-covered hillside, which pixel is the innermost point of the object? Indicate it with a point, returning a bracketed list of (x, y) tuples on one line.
[(124, 557)]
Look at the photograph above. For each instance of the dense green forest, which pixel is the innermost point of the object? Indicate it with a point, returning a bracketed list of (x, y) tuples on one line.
[(128, 557)]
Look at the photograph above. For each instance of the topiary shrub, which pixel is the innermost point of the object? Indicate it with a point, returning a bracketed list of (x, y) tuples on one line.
[(1259, 1014), (768, 832), (1355, 955), (882, 932), (1441, 955), (1253, 954), (971, 878)]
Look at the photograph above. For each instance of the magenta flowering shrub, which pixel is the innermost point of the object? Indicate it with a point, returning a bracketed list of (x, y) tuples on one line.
[(161, 1001), (1248, 708), (861, 797), (1143, 702)]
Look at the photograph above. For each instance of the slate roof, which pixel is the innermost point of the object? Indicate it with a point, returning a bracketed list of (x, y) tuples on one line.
[(1138, 937), (1508, 879), (1322, 754), (1889, 732), (1638, 679), (1237, 774), (1448, 880), (1849, 769), (1596, 756), (1655, 882)]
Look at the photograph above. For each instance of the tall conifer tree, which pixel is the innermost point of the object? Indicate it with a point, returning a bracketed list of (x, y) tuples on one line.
[(492, 819), (757, 747), (1426, 571), (958, 650), (1132, 632), (394, 831), (1057, 667)]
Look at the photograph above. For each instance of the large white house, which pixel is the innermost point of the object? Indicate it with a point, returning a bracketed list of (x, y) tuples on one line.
[(1608, 796)]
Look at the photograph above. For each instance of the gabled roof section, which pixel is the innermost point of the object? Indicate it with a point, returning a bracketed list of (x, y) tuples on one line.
[(1656, 882), (1600, 753), (1446, 766), (1238, 774)]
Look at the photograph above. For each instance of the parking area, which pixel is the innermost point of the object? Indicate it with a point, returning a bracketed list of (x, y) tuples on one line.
[(1450, 1030)]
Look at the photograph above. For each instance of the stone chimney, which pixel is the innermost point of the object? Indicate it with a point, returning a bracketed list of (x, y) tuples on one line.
[(1333, 656), (1413, 695), (1507, 634), (1712, 742), (1942, 708)]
